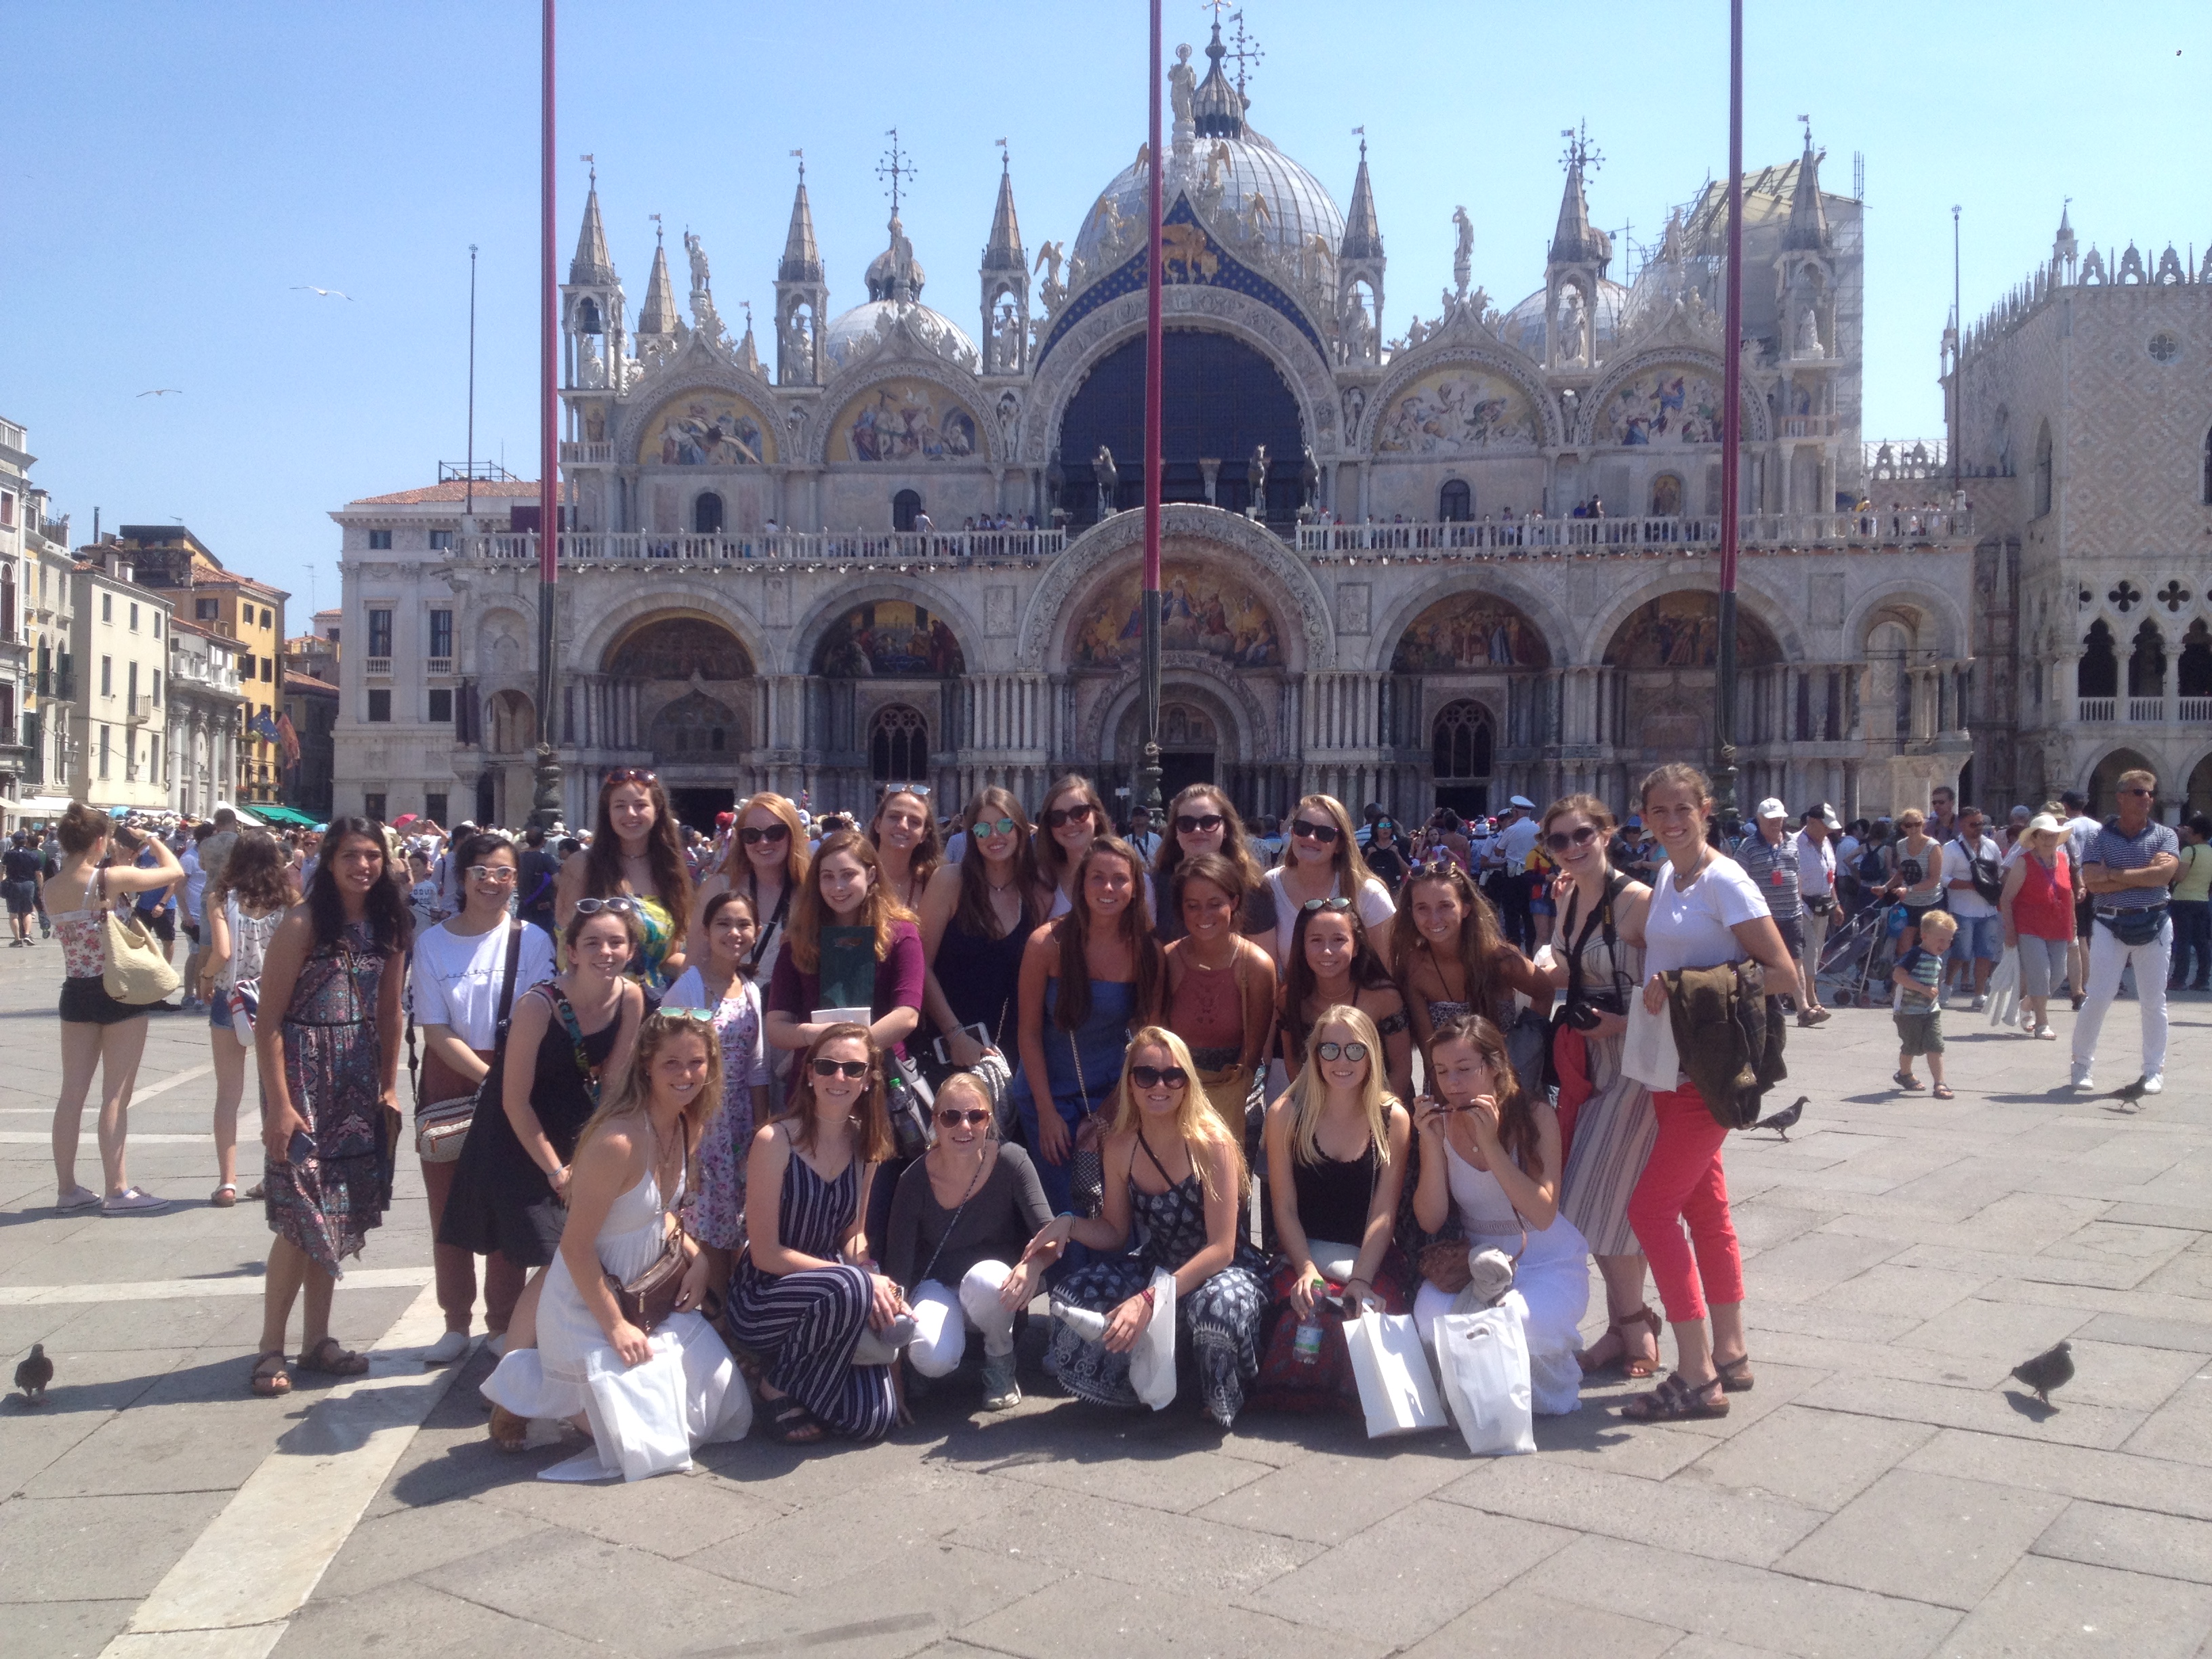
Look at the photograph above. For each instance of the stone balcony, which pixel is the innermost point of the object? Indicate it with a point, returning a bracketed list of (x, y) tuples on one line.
[(2143, 711)]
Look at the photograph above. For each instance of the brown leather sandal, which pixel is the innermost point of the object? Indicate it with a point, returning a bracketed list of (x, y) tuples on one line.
[(332, 1358), (508, 1432), (1677, 1401), (270, 1383), (1735, 1375), (1636, 1367)]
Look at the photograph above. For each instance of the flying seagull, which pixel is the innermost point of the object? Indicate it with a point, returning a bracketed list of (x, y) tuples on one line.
[(33, 1375), (2052, 1369), (164, 392), (1783, 1121), (327, 293)]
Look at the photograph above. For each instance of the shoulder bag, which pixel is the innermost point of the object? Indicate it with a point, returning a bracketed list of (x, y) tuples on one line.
[(136, 974), (441, 1126), (1086, 1162), (646, 1300)]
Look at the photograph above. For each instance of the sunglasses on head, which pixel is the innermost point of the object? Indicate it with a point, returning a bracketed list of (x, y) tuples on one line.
[(1582, 837), (995, 826), (1327, 904), (1205, 822), (1065, 815), (1326, 834), (696, 1016), (1443, 869), (853, 1068), (497, 875), (1155, 1076), (592, 906), (919, 790), (632, 774), (953, 1118), (755, 838), (1341, 1050)]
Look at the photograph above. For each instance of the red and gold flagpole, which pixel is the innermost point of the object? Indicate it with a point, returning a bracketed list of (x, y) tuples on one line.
[(545, 807), (1148, 772)]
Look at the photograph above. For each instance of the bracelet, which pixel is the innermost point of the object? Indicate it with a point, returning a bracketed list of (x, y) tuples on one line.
[(1147, 1294)]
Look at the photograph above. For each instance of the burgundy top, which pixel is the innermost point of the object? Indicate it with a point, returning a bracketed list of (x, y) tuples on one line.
[(899, 977)]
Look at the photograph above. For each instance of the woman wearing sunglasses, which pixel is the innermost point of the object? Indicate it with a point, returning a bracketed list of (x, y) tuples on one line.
[(766, 861), (634, 853), (458, 977), (721, 988), (963, 1211), (1073, 818), (1174, 1171), (1450, 958), (1490, 1160), (1086, 980), (1221, 985), (1323, 861), (1600, 965), (1204, 820), (1332, 962), (805, 1288), (904, 833), (976, 917), (510, 1188)]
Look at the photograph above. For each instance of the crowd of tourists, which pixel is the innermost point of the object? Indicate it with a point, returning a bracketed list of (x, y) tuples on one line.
[(789, 1110)]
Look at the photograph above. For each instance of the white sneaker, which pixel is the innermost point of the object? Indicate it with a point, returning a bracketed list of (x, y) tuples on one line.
[(447, 1349), (496, 1345), (1977, 1004), (2154, 1083), (2083, 1083)]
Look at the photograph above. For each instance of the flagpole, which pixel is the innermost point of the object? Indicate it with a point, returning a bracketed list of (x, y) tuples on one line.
[(1724, 802), (545, 807), (1148, 773)]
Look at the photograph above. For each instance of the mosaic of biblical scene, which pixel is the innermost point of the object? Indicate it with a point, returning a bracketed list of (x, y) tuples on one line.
[(678, 647), (1452, 410), (903, 420), (707, 429), (1465, 632), (1666, 406), (1683, 631), (1199, 611), (890, 638)]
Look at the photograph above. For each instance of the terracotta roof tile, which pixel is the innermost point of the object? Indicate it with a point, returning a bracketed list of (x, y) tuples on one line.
[(453, 489)]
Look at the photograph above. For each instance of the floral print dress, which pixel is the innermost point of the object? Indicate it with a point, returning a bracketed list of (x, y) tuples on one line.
[(327, 1203)]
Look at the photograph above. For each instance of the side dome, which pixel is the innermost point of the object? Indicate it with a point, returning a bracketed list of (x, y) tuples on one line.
[(1523, 327), (1298, 207), (847, 334)]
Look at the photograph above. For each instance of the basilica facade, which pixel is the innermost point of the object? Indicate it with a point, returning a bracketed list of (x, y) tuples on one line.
[(1441, 561)]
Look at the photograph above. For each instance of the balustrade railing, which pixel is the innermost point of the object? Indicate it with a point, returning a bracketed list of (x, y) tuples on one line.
[(2193, 709), (2147, 710), (2096, 709), (781, 546)]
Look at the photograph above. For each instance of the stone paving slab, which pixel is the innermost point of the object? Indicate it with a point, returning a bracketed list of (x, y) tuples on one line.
[(1885, 1489)]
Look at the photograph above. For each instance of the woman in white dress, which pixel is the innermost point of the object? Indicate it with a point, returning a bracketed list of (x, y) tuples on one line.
[(1490, 1156), (628, 1182)]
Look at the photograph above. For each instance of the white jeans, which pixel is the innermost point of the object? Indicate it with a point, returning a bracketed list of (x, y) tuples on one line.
[(1816, 935), (942, 1320), (2108, 959)]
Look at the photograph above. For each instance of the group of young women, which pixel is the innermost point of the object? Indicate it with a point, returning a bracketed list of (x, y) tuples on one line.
[(721, 1085)]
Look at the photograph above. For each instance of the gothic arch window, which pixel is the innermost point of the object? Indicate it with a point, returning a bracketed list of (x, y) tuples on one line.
[(2098, 673), (2147, 662), (906, 507), (2043, 471), (707, 513), (1666, 496), (1461, 741), (2193, 673), (692, 728), (1456, 503), (898, 745)]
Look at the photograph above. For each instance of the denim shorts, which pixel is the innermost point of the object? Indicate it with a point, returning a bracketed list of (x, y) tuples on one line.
[(1979, 939)]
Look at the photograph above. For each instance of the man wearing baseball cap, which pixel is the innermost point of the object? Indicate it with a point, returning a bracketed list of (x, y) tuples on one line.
[(1768, 853), (1816, 885)]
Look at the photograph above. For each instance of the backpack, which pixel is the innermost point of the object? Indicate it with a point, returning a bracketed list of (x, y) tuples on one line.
[(1870, 866)]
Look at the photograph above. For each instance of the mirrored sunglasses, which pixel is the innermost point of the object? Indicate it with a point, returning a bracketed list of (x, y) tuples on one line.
[(1354, 1051)]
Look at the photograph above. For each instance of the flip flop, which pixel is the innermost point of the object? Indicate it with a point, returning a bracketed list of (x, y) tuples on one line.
[(83, 1198), (131, 1200)]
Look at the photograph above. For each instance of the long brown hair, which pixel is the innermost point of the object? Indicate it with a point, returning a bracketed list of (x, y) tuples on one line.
[(1050, 859), (255, 871), (811, 914), (1351, 869), (872, 1134), (737, 866), (1516, 1119), (1072, 1007), (631, 1090), (1481, 939), (1366, 971), (1235, 846), (664, 851), (928, 853), (976, 915)]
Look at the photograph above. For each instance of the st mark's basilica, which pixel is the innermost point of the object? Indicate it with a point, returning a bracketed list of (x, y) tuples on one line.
[(906, 547)]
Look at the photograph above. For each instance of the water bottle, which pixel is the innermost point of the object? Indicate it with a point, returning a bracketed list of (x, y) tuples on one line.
[(1306, 1348)]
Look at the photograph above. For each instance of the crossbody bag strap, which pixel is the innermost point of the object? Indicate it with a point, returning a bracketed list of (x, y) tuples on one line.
[(782, 907), (513, 972), (575, 1031)]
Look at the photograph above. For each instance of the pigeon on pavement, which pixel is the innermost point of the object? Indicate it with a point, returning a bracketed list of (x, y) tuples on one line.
[(33, 1375), (1783, 1121), (2130, 1092), (2053, 1369)]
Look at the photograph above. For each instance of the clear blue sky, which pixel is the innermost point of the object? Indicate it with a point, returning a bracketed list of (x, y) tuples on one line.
[(172, 171)]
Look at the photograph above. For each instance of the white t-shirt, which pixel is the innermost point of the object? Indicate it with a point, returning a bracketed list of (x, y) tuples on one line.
[(1958, 865), (195, 882), (1516, 841), (1816, 866), (1373, 902), (956, 846), (1691, 928), (2080, 832), (455, 979)]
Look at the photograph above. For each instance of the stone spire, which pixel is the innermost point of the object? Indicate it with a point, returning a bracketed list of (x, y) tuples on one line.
[(592, 267), (1808, 230), (1005, 251), (1576, 241), (2063, 248), (1363, 232), (1217, 106), (659, 316), (802, 260)]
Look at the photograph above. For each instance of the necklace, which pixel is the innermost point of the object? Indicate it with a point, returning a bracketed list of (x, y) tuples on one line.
[(998, 886)]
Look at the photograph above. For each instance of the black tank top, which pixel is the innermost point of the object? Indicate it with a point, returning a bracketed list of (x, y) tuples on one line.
[(1334, 1196), (980, 976)]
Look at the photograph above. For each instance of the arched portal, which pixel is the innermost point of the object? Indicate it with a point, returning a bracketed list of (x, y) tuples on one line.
[(1220, 400), (2104, 781), (1462, 739), (677, 648), (1666, 647), (669, 689), (510, 723)]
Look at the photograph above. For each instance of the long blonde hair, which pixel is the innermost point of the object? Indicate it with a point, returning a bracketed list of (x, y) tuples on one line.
[(1195, 1118), (630, 1092), (1308, 1092)]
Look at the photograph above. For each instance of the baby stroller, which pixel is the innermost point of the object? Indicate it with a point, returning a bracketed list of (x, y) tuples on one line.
[(1858, 956)]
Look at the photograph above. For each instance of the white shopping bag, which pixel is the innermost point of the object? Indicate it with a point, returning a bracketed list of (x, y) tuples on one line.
[(1484, 1357), (636, 1411), (2004, 988), (1152, 1361), (1392, 1368), (1647, 1052)]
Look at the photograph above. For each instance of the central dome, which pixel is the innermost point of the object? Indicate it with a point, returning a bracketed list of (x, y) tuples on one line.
[(863, 323), (1298, 207), (1523, 325)]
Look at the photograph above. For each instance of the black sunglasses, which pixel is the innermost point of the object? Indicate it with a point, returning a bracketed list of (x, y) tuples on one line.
[(1582, 837), (1326, 834), (1354, 1051), (849, 1068), (1065, 815), (1153, 1077), (1205, 822), (952, 1117), (773, 832)]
